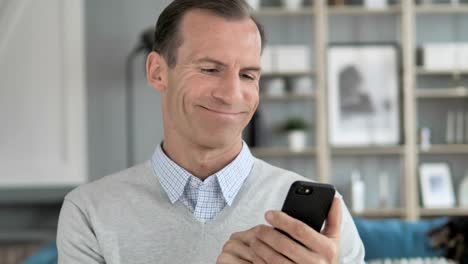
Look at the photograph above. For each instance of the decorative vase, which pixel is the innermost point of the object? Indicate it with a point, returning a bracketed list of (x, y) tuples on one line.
[(302, 85), (297, 140), (358, 192), (275, 86), (292, 4), (463, 192), (376, 3), (255, 4)]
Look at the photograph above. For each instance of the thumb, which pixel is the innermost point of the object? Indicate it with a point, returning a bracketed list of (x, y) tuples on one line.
[(333, 224)]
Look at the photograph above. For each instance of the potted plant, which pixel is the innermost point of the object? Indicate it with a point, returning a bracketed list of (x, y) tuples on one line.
[(295, 128)]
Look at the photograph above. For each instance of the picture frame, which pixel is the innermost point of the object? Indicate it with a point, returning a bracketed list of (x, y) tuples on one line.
[(436, 185), (363, 94)]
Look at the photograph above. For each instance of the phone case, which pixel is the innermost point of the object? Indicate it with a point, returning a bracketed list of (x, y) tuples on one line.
[(310, 207)]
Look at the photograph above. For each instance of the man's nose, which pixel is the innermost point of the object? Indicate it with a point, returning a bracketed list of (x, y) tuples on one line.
[(229, 90)]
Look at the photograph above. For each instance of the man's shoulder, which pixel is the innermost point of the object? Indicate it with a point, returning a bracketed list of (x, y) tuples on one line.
[(111, 186)]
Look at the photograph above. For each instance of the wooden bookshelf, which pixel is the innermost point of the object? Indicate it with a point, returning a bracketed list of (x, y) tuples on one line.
[(434, 93), (441, 9), (449, 149), (370, 150), (380, 213), (25, 235), (454, 72), (361, 10), (282, 152), (288, 74), (33, 196), (426, 212), (280, 11), (287, 97), (406, 16)]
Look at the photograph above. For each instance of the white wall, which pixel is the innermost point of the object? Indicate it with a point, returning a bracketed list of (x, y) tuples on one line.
[(42, 100), (112, 30)]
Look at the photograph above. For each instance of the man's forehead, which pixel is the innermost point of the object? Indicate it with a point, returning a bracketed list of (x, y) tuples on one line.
[(203, 21), (204, 35)]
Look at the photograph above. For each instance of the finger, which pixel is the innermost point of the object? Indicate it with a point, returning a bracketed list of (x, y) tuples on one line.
[(268, 254), (300, 231), (226, 258), (283, 244), (333, 224), (247, 237), (238, 249), (258, 260)]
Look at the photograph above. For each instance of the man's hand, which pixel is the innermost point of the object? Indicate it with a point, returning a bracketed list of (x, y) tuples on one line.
[(264, 244), (274, 247), (237, 250)]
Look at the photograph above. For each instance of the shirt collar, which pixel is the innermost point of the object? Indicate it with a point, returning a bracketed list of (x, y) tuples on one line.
[(174, 178)]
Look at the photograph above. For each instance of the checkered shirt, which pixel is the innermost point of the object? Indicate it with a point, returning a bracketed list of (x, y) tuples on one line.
[(205, 199)]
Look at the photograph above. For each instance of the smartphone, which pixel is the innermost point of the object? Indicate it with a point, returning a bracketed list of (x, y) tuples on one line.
[(309, 202)]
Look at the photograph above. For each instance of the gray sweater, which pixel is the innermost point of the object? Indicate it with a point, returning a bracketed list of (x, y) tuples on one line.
[(127, 218)]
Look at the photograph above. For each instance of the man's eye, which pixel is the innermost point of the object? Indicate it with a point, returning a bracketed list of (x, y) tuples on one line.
[(209, 70), (248, 76)]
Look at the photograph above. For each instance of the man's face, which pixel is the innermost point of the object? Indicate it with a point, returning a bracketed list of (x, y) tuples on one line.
[(213, 90)]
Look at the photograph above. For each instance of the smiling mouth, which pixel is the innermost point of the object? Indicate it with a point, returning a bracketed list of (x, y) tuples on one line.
[(222, 112)]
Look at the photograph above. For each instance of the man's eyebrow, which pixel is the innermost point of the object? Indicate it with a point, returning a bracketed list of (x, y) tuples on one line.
[(211, 60), (256, 69), (220, 63)]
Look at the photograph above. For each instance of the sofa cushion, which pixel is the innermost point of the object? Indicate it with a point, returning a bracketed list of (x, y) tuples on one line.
[(46, 255), (396, 238)]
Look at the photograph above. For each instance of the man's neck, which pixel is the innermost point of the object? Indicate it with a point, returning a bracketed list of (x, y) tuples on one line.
[(200, 161)]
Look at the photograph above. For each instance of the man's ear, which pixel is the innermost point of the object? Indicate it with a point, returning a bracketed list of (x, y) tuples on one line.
[(156, 71)]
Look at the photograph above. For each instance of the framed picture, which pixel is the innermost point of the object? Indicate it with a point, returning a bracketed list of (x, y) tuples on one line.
[(436, 185), (363, 86)]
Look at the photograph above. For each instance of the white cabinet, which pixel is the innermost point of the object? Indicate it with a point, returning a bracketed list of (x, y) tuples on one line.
[(42, 93)]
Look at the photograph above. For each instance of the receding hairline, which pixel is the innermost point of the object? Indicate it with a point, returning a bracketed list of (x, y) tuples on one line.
[(169, 35), (195, 11)]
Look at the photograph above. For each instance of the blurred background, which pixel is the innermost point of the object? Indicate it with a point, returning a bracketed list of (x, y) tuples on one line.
[(369, 95)]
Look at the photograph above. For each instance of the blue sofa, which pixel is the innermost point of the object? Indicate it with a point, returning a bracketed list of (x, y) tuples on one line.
[(46, 255), (395, 238)]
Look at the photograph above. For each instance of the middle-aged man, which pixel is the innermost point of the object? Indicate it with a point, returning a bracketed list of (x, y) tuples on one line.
[(202, 198)]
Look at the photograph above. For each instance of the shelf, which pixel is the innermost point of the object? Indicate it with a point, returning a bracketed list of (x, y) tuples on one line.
[(33, 196), (422, 71), (282, 152), (441, 9), (288, 74), (360, 10), (380, 213), (446, 149), (280, 11), (27, 235), (287, 97), (427, 93), (371, 150), (444, 212)]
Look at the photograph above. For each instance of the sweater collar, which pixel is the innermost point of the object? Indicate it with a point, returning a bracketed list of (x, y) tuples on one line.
[(174, 178)]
